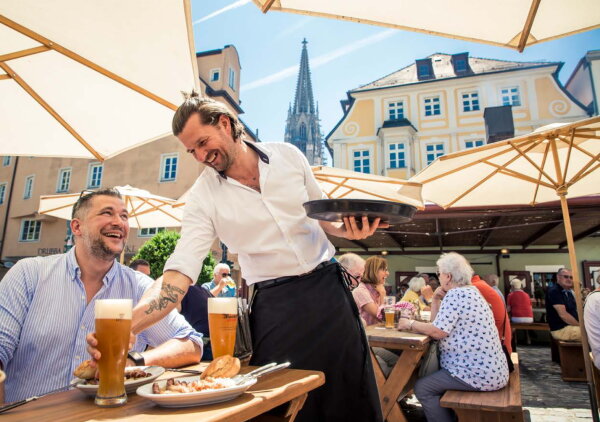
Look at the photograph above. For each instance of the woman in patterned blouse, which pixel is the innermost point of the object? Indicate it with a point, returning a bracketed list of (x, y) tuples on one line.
[(471, 357)]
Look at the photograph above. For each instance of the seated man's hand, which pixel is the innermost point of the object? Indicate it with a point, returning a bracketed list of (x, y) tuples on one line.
[(352, 232), (93, 344)]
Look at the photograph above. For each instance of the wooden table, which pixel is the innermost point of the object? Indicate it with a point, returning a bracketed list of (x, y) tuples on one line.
[(403, 375), (286, 386)]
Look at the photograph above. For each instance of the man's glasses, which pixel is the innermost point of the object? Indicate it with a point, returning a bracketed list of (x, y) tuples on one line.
[(225, 274), (567, 276)]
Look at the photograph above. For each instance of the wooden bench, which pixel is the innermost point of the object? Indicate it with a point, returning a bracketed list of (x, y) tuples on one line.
[(572, 366), (536, 326), (488, 406)]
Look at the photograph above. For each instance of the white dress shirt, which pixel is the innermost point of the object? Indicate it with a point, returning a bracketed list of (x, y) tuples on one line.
[(269, 230)]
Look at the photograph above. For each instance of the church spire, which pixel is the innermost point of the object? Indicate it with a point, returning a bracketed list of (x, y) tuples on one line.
[(304, 103), (303, 128)]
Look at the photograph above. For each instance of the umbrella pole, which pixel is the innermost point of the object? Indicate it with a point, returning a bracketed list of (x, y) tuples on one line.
[(577, 287)]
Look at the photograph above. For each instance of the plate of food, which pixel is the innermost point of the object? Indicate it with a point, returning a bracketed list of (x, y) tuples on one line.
[(336, 209), (134, 377), (219, 382)]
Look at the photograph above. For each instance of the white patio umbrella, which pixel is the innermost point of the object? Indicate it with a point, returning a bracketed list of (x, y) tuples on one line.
[(346, 184), (507, 23), (556, 160), (145, 209), (91, 79)]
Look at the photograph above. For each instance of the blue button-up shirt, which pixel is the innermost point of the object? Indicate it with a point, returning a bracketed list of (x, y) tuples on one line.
[(44, 319), (225, 291)]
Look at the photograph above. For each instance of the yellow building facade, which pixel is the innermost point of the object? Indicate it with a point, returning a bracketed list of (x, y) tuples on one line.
[(398, 124)]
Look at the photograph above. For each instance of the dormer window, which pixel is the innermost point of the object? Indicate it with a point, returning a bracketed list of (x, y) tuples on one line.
[(460, 62), (424, 69)]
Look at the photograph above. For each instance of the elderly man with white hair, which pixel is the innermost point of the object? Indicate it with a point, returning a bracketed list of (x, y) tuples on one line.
[(354, 265), (221, 284), (492, 281)]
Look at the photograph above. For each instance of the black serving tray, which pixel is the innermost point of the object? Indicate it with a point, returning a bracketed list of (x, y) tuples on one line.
[(336, 209)]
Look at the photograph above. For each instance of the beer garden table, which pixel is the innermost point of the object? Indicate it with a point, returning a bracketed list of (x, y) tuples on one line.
[(403, 375), (286, 386)]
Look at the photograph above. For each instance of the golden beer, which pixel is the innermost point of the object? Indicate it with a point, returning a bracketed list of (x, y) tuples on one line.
[(390, 314), (113, 325), (222, 323)]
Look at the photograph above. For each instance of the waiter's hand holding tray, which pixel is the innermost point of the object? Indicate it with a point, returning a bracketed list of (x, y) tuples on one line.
[(335, 210)]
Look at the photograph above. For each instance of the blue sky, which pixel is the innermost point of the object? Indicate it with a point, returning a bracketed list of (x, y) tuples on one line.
[(342, 56)]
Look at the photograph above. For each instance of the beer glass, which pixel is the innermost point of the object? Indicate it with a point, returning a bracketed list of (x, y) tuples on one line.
[(222, 324), (390, 316), (113, 325)]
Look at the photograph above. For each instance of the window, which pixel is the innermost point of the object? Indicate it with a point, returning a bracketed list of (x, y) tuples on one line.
[(28, 187), (150, 231), (470, 101), (434, 151), (6, 161), (361, 160), (2, 192), (396, 154), (395, 110), (423, 71), (474, 143), (432, 106), (215, 74), (168, 168), (511, 97), (95, 175), (303, 131), (64, 180), (460, 65), (231, 79), (30, 231)]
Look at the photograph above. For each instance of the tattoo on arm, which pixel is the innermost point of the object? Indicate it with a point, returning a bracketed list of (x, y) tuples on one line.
[(169, 293)]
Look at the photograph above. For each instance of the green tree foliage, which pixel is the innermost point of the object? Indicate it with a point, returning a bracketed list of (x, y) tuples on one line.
[(158, 249)]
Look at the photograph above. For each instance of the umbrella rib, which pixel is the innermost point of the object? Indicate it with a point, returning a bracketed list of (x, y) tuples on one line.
[(539, 180), (498, 169), (49, 109), (512, 173), (528, 24), (88, 63), (584, 171), (155, 208), (23, 53), (577, 147), (540, 169), (569, 152), (454, 170), (62, 207), (325, 177), (561, 176), (128, 199), (265, 8)]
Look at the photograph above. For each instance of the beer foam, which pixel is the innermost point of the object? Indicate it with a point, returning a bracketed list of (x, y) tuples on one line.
[(222, 305), (113, 308)]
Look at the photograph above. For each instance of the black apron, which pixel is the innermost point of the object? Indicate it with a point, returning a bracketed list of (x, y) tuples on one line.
[(312, 321)]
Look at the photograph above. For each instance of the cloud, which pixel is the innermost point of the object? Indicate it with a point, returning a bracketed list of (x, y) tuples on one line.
[(296, 26), (227, 8), (320, 60)]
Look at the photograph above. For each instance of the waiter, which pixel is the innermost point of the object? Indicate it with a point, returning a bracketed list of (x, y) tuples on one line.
[(251, 197)]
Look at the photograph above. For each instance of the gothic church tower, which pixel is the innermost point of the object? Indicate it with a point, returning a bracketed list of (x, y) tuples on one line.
[(302, 128)]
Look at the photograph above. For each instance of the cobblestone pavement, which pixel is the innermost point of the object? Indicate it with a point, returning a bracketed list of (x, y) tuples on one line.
[(546, 397)]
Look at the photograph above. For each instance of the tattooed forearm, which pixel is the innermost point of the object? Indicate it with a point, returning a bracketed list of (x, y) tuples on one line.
[(168, 294)]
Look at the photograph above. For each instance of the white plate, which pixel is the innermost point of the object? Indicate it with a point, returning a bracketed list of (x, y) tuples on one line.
[(193, 399), (130, 385)]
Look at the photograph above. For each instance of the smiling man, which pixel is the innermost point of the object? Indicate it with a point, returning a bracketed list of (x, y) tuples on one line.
[(561, 308), (47, 304), (250, 196)]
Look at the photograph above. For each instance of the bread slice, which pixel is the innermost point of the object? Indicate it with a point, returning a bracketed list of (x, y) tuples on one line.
[(222, 367), (85, 371)]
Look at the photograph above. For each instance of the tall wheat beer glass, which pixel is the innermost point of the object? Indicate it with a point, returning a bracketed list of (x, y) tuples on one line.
[(222, 323), (113, 325)]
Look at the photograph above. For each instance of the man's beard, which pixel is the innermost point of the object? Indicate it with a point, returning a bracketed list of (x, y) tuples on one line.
[(100, 250)]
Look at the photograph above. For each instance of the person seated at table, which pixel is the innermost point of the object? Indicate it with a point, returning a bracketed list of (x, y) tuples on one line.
[(194, 308), (370, 293), (413, 294), (492, 281), (140, 265), (561, 308), (498, 310), (47, 304), (591, 318), (369, 297), (518, 303), (433, 282), (471, 356), (354, 265), (221, 285)]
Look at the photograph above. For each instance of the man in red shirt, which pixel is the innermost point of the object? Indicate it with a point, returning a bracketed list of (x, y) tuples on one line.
[(498, 309)]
